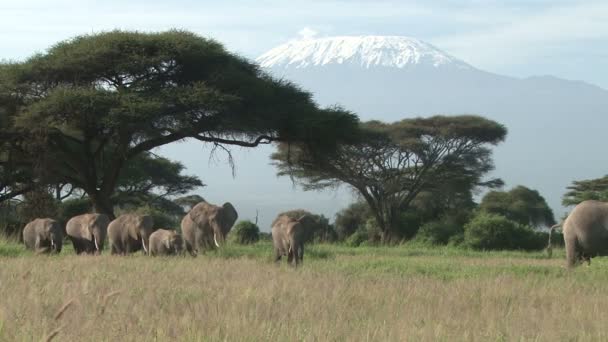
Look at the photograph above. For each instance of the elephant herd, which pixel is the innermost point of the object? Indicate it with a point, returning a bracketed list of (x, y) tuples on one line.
[(203, 227)]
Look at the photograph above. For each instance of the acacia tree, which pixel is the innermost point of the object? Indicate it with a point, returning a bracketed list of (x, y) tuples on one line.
[(590, 189), (391, 164), (83, 110), (520, 204)]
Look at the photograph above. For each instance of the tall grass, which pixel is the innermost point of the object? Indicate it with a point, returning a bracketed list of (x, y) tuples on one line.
[(340, 294)]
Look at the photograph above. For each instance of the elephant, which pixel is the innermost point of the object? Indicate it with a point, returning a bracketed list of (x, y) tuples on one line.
[(88, 232), (289, 235), (129, 233), (166, 242), (43, 235), (585, 232), (206, 225)]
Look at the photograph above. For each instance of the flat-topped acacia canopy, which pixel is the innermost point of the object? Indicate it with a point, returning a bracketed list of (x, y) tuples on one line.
[(85, 107)]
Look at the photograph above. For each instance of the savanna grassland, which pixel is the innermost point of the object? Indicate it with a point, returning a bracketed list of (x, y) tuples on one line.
[(340, 294)]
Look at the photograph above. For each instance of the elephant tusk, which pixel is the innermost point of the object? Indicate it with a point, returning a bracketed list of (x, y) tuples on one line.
[(143, 243), (215, 240), (96, 245)]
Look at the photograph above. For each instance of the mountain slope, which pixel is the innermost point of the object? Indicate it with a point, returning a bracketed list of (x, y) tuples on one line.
[(556, 127), (364, 51)]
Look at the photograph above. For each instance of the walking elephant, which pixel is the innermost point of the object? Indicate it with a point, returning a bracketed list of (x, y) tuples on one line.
[(206, 225), (88, 232), (585, 232), (130, 233), (166, 242), (43, 235), (289, 235)]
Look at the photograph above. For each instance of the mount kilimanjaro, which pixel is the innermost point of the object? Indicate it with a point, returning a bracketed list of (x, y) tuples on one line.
[(556, 127)]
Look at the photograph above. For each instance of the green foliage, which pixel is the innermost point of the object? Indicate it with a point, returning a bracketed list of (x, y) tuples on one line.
[(592, 189), (72, 207), (37, 204), (440, 232), (10, 223), (357, 238), (351, 219), (245, 233), (88, 109), (520, 204), (148, 178), (491, 231), (189, 201), (390, 164), (162, 220)]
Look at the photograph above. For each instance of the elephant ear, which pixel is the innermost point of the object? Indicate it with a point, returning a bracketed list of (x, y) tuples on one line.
[(229, 216), (85, 230), (308, 223)]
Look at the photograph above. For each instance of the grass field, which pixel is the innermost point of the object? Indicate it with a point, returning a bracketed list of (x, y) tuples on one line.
[(405, 293)]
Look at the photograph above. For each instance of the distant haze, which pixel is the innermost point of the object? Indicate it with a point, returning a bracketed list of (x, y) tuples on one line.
[(556, 127)]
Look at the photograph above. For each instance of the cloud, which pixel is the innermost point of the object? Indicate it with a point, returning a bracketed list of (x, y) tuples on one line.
[(530, 35), (307, 33)]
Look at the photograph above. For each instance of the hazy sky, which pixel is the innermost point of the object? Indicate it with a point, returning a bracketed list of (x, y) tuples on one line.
[(564, 38)]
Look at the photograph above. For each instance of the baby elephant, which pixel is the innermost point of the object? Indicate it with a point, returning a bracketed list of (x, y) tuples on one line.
[(43, 235), (166, 242)]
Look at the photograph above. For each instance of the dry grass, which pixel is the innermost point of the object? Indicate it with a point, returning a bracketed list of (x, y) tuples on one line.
[(361, 297)]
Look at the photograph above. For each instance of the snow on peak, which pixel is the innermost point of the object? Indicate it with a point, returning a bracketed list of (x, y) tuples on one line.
[(365, 51)]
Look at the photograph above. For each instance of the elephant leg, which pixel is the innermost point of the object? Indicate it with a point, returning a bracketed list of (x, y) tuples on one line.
[(76, 245), (301, 254), (571, 252), (586, 257), (190, 249), (290, 255), (277, 255)]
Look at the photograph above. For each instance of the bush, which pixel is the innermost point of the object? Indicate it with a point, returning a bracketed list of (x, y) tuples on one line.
[(440, 232), (408, 224), (490, 231), (357, 238), (351, 219), (245, 232)]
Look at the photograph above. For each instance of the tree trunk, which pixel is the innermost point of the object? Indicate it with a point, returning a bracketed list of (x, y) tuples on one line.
[(102, 205)]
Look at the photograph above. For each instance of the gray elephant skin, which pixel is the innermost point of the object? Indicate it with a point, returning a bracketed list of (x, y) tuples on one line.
[(88, 232), (586, 232), (289, 235), (166, 242), (129, 233), (207, 225), (43, 235)]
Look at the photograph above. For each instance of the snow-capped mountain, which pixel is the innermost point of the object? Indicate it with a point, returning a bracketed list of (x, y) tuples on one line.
[(556, 127), (362, 51)]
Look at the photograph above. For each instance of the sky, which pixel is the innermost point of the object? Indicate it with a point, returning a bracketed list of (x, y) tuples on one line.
[(563, 38)]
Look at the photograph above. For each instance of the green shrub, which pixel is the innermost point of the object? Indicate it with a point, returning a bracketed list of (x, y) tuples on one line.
[(245, 232), (440, 232), (357, 238), (351, 219), (495, 232)]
